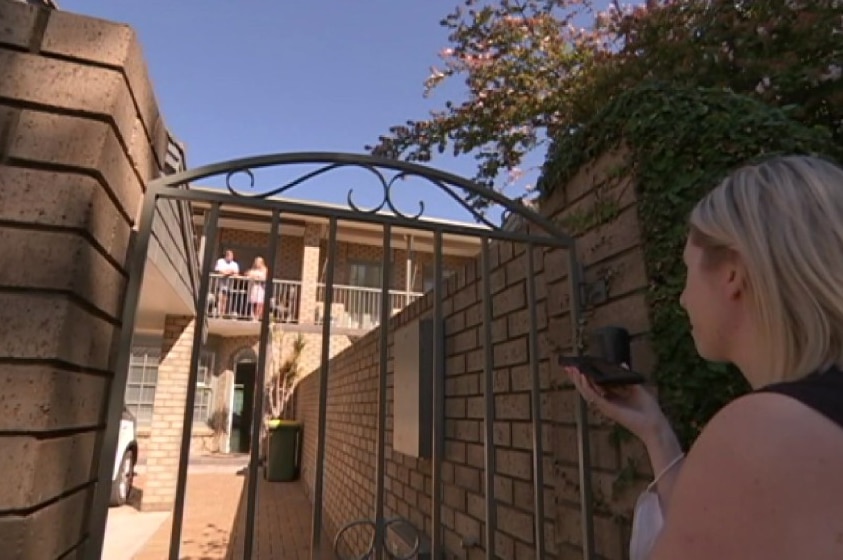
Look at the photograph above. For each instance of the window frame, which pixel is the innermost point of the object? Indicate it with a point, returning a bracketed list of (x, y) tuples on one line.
[(147, 356), (204, 387), (364, 264)]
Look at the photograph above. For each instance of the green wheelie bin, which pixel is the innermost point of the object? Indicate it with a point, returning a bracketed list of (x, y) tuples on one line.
[(283, 458)]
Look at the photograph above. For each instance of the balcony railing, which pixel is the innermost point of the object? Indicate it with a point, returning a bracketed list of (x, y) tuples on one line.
[(354, 307), (237, 298), (240, 298)]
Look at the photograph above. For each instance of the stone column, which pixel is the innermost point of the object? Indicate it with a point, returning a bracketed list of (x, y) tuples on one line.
[(80, 133), (168, 414), (309, 273)]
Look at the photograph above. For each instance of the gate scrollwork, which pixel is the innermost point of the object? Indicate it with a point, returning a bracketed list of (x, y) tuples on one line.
[(373, 545)]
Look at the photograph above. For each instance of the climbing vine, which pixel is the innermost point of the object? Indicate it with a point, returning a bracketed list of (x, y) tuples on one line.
[(680, 143)]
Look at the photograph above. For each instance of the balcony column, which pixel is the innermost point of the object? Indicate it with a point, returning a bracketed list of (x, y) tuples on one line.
[(409, 276), (309, 273), (168, 415), (202, 241)]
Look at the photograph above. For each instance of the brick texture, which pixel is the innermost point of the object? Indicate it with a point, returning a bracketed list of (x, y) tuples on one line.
[(166, 431), (352, 399), (80, 134)]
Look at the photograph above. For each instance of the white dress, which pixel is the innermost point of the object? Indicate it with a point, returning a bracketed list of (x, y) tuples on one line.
[(258, 278)]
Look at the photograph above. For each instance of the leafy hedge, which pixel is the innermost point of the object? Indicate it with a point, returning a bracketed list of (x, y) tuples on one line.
[(683, 141)]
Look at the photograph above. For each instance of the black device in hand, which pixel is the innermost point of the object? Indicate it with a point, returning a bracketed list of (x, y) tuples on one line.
[(601, 371)]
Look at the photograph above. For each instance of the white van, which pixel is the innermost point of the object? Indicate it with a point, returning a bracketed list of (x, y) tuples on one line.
[(123, 476)]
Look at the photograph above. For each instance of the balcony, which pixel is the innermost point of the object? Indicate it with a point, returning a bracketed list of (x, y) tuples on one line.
[(231, 311), (359, 308)]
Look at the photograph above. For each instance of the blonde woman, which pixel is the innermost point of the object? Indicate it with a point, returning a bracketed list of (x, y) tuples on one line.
[(764, 291), (257, 274)]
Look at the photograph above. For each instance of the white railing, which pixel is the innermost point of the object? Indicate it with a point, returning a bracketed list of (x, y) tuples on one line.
[(354, 307), (238, 298), (241, 298)]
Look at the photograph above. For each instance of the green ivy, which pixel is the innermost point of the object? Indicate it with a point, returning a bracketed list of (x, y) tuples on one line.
[(681, 142)]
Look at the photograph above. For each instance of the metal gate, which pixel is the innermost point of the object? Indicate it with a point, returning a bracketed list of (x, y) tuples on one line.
[(538, 233)]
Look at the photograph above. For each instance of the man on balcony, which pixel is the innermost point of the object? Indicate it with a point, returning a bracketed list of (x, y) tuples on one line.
[(226, 267)]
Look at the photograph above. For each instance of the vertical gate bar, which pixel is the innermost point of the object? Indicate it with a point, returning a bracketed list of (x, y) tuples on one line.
[(438, 408), (489, 400), (380, 466), (316, 529), (535, 405), (187, 421), (260, 389), (116, 395), (583, 442)]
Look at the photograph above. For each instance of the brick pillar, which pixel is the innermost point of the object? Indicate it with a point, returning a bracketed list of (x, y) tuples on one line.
[(170, 396), (80, 133), (309, 273)]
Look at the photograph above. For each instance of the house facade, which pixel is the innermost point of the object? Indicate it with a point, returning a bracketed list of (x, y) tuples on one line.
[(225, 392)]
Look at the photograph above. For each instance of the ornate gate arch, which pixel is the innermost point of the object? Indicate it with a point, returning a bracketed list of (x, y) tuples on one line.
[(386, 173)]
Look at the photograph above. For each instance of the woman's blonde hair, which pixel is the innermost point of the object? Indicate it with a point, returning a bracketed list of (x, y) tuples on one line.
[(784, 218)]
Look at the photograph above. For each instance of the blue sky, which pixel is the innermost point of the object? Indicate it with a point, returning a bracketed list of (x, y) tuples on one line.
[(244, 78)]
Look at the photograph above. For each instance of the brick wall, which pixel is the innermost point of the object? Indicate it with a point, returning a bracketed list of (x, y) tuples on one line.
[(288, 259), (165, 438), (611, 252), (352, 399), (80, 133)]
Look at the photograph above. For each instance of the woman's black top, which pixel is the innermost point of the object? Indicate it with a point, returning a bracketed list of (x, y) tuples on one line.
[(821, 391)]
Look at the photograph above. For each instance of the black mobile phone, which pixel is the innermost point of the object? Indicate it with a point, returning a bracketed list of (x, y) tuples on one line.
[(602, 372)]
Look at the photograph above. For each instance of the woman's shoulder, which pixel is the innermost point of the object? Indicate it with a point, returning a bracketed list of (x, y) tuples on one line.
[(820, 393), (763, 439), (759, 418), (737, 484), (782, 415)]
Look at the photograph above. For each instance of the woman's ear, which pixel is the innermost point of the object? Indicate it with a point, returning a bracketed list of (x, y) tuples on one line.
[(735, 278)]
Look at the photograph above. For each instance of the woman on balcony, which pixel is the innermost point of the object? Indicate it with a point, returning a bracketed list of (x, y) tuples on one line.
[(257, 276)]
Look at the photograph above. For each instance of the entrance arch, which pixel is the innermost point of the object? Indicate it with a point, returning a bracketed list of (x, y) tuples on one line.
[(535, 234), (244, 365)]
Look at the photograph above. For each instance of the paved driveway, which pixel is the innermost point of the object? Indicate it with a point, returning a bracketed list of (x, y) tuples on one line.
[(214, 518), (128, 530), (210, 510)]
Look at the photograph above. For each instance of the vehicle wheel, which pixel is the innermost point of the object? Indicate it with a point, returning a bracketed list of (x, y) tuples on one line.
[(121, 487)]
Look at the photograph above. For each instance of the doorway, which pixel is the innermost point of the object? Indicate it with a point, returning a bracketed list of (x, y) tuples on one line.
[(242, 407)]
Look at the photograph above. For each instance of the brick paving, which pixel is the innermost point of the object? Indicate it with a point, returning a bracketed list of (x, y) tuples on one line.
[(283, 524), (215, 501)]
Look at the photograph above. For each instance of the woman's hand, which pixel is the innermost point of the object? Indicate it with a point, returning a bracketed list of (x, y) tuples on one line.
[(637, 410), (631, 406)]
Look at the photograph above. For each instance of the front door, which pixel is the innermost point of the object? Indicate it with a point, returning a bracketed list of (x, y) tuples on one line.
[(242, 407)]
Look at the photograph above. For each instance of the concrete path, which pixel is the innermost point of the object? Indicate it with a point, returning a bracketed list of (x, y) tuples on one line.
[(210, 510), (128, 531)]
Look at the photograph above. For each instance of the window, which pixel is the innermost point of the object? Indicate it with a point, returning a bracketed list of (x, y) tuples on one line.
[(428, 279), (143, 377), (364, 274), (203, 404)]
